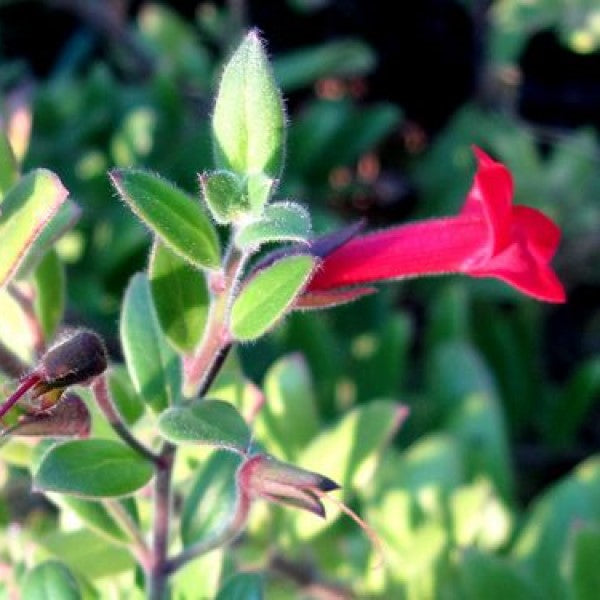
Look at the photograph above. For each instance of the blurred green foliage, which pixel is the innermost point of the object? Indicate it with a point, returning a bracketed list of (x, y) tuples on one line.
[(466, 494)]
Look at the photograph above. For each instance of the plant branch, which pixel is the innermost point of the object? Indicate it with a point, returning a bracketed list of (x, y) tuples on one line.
[(157, 580), (214, 369), (201, 368), (105, 403), (225, 536), (140, 549)]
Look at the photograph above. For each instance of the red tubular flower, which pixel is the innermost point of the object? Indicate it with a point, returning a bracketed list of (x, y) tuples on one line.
[(490, 237)]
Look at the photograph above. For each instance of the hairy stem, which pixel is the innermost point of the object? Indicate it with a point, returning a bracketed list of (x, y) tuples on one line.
[(105, 403), (205, 363), (158, 576)]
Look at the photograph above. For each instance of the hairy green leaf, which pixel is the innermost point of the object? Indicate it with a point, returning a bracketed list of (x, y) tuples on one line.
[(171, 214), (210, 422), (152, 364), (283, 221), (180, 296), (92, 468), (248, 120), (267, 296)]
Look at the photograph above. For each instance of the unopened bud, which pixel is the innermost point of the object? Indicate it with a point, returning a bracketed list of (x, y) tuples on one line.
[(74, 360), (70, 417), (262, 476)]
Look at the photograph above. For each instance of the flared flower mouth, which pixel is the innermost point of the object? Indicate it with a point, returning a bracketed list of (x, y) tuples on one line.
[(490, 237)]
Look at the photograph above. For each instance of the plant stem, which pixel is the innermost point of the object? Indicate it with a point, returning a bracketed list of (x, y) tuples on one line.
[(228, 534), (123, 518), (208, 379), (105, 403), (157, 579), (205, 363)]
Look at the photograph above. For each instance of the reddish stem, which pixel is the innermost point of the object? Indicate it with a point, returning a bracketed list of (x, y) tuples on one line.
[(24, 386)]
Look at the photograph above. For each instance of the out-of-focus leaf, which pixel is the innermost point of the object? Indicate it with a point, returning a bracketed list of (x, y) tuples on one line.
[(331, 134), (14, 330), (488, 576), (50, 580), (87, 554), (180, 296), (266, 297), (152, 364), (9, 170), (186, 584), (135, 138), (449, 316), (409, 511), (339, 58), (585, 575), (172, 215), (348, 453), (434, 461), (455, 371), (478, 424), (242, 586), (379, 358), (123, 394), (211, 500), (555, 515), (92, 468), (94, 515), (26, 209), (175, 45), (572, 405), (288, 419), (49, 301), (509, 344), (479, 516)]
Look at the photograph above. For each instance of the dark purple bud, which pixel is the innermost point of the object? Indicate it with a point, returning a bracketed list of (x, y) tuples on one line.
[(327, 485), (70, 417), (74, 360)]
